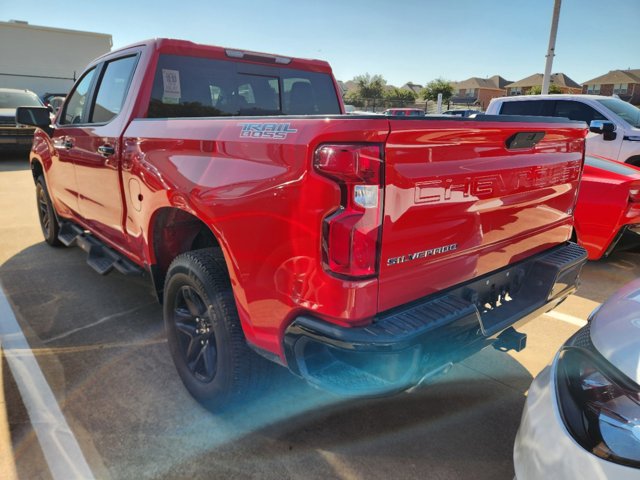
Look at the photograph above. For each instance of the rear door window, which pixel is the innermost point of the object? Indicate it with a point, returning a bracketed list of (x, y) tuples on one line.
[(204, 87), (535, 108)]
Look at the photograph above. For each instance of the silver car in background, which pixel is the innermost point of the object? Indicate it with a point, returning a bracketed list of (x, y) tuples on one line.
[(582, 414)]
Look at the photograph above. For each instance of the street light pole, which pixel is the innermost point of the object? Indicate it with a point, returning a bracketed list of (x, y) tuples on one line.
[(552, 47)]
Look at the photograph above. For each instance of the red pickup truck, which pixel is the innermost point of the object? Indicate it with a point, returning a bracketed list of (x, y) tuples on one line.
[(365, 253)]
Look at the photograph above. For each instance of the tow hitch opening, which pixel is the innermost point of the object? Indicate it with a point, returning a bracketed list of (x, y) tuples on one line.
[(511, 339)]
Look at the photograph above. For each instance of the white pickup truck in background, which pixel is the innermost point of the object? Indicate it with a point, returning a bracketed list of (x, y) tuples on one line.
[(623, 144)]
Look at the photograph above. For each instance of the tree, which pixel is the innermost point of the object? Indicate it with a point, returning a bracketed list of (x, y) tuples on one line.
[(399, 97), (370, 86), (537, 89), (353, 98), (434, 87), (370, 89)]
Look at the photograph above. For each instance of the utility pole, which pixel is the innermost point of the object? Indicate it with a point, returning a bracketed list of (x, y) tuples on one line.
[(552, 47)]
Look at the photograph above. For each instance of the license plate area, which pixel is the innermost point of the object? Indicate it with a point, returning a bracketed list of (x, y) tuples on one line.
[(496, 296)]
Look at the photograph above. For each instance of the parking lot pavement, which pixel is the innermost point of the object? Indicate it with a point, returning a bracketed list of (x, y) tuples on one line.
[(100, 345)]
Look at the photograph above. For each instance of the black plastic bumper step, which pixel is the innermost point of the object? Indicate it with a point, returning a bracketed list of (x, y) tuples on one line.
[(405, 345), (100, 257)]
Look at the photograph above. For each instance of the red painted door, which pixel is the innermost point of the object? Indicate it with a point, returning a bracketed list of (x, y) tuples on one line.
[(97, 152)]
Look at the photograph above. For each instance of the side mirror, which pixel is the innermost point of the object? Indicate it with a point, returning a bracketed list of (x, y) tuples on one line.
[(33, 116), (606, 128)]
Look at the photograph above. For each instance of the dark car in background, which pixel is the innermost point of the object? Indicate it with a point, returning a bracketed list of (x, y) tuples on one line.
[(404, 112), (12, 136), (54, 101), (47, 97)]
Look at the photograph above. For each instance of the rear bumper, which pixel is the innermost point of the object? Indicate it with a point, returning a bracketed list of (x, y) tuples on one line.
[(406, 345)]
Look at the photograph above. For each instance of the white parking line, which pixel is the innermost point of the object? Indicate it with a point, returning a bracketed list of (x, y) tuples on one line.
[(59, 445), (7, 463), (97, 322), (567, 318)]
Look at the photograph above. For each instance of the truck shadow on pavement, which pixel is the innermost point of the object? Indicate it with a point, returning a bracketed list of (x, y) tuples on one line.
[(100, 343), (602, 278)]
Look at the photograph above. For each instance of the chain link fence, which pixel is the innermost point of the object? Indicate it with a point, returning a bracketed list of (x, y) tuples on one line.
[(377, 105)]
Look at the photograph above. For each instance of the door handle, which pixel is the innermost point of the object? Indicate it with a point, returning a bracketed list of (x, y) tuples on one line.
[(106, 150), (68, 144)]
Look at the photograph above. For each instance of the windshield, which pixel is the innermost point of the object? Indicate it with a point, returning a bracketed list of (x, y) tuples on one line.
[(19, 99), (624, 110)]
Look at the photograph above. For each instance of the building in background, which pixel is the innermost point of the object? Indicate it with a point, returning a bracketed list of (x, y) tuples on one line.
[(478, 91), (524, 86), (414, 87), (623, 83), (45, 59)]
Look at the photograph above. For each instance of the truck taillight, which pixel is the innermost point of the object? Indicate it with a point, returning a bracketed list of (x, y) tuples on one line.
[(351, 235), (634, 193)]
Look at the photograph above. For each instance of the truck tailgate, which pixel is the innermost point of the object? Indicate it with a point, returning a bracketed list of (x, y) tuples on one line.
[(463, 198)]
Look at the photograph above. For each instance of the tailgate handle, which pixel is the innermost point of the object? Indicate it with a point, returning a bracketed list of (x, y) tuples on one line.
[(523, 140)]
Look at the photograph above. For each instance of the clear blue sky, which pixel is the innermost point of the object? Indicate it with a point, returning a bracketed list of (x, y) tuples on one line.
[(401, 40)]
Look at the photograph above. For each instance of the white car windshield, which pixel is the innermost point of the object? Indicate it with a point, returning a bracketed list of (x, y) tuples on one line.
[(624, 110), (18, 99)]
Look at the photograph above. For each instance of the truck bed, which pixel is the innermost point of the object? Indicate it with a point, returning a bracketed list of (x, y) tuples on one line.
[(457, 203)]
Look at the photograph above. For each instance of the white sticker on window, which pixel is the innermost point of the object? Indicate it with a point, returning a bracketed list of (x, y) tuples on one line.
[(171, 84)]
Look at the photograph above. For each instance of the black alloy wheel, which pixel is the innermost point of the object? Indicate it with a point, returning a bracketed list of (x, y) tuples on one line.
[(195, 334), (48, 220), (205, 338)]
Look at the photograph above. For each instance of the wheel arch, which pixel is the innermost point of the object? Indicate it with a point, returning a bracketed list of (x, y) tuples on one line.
[(37, 169), (173, 231)]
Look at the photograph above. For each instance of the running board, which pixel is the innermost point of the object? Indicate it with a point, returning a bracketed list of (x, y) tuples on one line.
[(100, 257)]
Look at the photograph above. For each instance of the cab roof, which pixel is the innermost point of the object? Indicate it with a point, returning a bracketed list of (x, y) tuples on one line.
[(188, 48)]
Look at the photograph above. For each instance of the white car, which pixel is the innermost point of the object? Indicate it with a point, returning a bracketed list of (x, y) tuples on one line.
[(623, 145), (582, 414)]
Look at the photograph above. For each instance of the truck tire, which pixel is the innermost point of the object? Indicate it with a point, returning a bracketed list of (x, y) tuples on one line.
[(46, 213), (203, 330)]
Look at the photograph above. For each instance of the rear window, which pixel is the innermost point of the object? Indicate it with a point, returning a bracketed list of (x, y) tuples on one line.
[(202, 87)]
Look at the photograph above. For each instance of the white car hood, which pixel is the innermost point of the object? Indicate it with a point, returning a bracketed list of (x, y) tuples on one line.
[(615, 330)]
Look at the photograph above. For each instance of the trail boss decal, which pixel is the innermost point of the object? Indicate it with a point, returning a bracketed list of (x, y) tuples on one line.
[(422, 254), (276, 131)]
